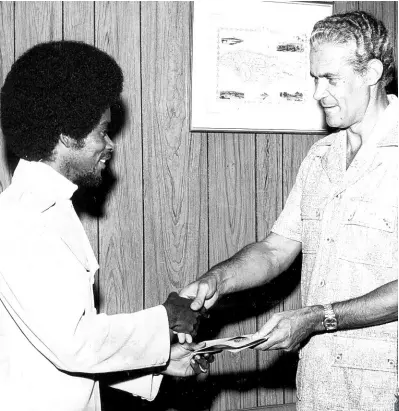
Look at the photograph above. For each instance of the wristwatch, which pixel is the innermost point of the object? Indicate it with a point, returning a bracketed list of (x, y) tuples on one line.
[(330, 321)]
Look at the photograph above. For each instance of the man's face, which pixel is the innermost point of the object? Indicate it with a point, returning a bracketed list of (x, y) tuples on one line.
[(342, 92), (87, 160)]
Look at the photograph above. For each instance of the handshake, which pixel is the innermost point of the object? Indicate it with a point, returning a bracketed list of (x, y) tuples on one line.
[(182, 319)]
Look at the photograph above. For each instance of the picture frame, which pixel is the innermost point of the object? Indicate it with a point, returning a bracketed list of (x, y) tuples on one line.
[(250, 67)]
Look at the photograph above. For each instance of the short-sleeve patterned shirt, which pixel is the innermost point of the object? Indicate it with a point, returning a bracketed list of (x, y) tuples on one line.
[(347, 222)]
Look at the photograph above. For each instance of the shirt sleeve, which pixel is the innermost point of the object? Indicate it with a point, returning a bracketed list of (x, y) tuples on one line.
[(46, 291), (289, 222), (146, 386)]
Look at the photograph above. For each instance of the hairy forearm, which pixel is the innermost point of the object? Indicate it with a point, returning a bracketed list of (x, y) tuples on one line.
[(254, 265), (379, 306)]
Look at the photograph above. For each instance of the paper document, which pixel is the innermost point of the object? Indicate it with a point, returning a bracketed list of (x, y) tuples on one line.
[(232, 344)]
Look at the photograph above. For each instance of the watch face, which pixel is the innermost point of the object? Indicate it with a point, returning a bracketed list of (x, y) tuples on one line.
[(330, 324)]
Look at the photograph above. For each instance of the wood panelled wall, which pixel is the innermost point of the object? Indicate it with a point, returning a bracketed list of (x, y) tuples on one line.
[(182, 201)]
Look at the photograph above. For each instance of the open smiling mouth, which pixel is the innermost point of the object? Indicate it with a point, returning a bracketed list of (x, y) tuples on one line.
[(104, 160)]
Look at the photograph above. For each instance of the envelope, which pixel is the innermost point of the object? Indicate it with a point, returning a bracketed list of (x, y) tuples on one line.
[(232, 344)]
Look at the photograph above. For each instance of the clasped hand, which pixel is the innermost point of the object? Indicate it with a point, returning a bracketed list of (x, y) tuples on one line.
[(182, 319), (185, 363)]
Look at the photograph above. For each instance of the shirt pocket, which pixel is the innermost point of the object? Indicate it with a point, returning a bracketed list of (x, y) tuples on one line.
[(367, 367), (311, 214), (365, 354), (368, 234)]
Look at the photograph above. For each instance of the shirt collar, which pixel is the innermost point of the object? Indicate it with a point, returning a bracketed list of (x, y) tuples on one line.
[(45, 185), (389, 118)]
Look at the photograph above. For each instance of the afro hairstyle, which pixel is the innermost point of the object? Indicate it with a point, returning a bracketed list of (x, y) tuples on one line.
[(54, 88)]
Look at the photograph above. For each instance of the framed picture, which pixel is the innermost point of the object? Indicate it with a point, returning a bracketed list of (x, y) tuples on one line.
[(250, 66)]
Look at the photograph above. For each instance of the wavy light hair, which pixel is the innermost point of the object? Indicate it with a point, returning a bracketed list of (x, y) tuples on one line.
[(369, 34)]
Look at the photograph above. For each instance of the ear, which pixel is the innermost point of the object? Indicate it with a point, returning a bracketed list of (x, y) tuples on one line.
[(66, 140), (374, 72)]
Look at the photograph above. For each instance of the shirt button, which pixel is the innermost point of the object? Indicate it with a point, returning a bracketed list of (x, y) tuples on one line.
[(338, 196), (322, 283), (330, 240), (387, 223)]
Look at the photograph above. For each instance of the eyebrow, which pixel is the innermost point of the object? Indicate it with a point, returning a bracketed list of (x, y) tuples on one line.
[(328, 75)]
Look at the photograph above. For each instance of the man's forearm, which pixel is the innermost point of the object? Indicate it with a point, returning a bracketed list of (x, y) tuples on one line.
[(254, 265), (379, 306), (288, 330)]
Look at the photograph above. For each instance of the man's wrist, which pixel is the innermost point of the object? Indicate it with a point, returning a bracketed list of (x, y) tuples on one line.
[(317, 315), (215, 276), (220, 278), (330, 322)]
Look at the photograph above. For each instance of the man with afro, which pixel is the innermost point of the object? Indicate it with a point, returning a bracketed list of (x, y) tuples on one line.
[(55, 111)]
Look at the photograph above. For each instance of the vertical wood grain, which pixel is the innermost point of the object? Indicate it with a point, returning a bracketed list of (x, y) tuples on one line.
[(79, 21), (117, 31), (382, 10), (232, 226), (269, 181), (36, 22), (175, 200), (174, 173), (345, 6), (6, 60), (268, 206)]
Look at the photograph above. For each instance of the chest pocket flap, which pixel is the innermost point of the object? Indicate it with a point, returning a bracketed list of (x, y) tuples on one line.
[(367, 234), (380, 217)]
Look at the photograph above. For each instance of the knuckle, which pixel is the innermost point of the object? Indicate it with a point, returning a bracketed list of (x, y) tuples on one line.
[(287, 347), (202, 284)]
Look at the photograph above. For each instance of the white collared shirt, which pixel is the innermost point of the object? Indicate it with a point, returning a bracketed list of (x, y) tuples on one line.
[(52, 341), (347, 222)]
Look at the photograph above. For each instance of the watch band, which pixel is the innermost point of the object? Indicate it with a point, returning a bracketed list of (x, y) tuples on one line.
[(328, 311), (330, 322)]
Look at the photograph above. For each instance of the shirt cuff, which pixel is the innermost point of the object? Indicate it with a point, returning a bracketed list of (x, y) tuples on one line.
[(146, 387), (282, 230)]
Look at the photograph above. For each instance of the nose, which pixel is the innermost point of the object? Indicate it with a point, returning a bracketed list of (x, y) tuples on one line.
[(109, 144), (320, 89)]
